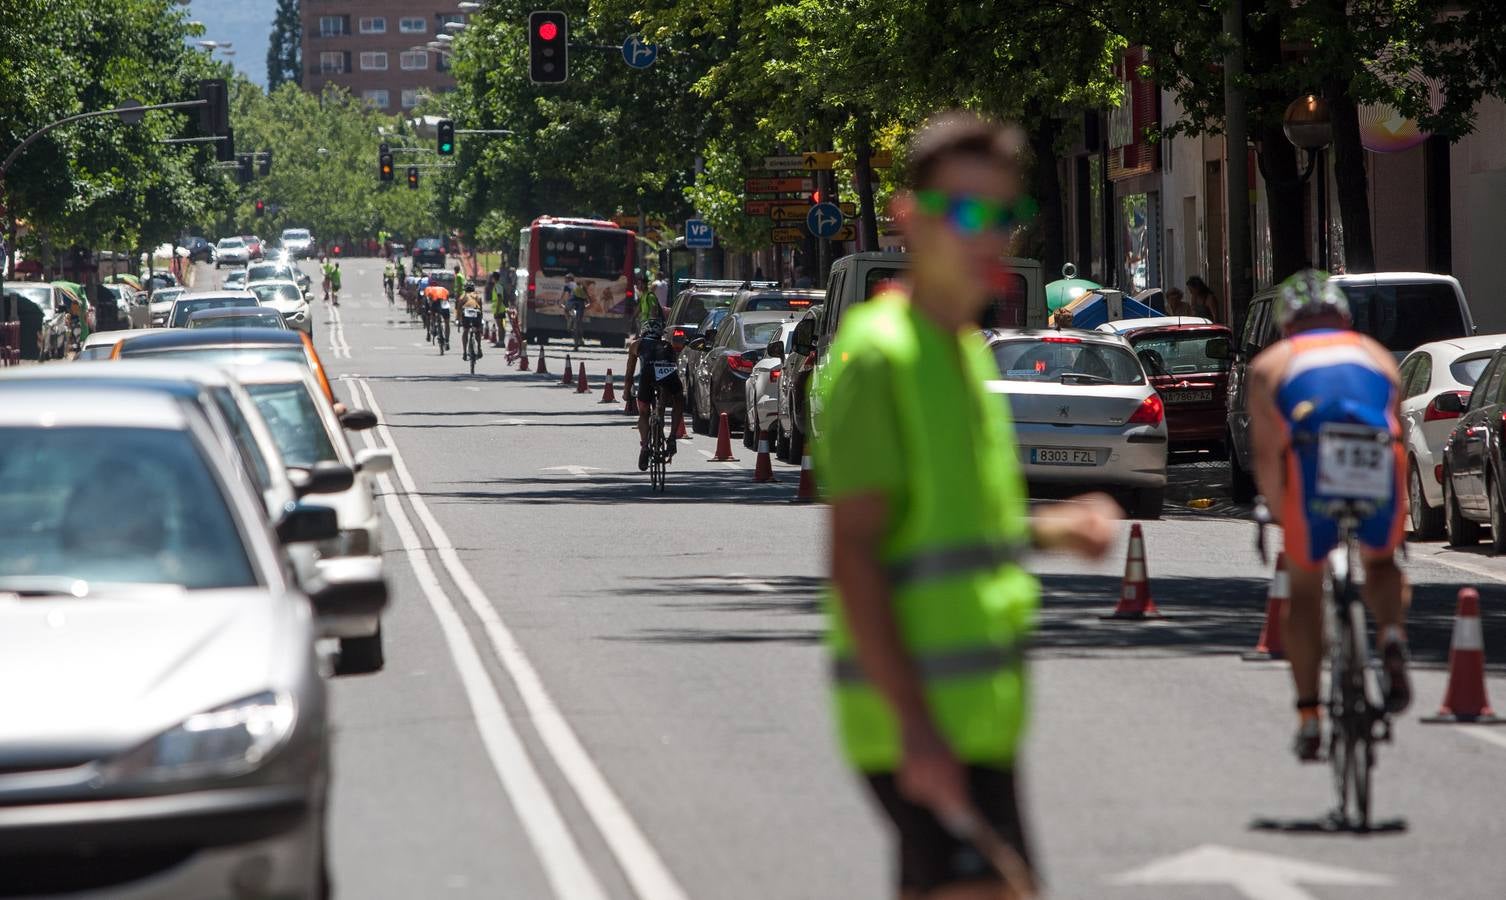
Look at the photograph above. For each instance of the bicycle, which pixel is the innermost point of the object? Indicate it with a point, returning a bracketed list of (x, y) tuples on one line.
[(1356, 722), (658, 451), (441, 332), (471, 342)]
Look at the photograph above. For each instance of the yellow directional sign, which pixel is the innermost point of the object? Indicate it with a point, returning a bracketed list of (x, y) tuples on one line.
[(788, 235), (819, 159), (848, 209), (847, 233), (789, 213)]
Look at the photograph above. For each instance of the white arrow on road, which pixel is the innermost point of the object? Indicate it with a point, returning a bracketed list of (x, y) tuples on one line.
[(1257, 876), (577, 471)]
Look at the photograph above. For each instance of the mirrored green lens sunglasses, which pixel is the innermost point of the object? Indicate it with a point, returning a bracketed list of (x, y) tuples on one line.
[(974, 215)]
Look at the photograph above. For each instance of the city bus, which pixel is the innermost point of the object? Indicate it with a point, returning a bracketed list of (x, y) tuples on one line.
[(603, 258)]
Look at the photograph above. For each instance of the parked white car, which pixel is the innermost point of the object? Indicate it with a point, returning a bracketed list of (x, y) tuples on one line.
[(287, 298), (1436, 380), (761, 390), (231, 251)]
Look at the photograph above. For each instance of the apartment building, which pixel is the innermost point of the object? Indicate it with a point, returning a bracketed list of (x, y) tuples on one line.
[(375, 49)]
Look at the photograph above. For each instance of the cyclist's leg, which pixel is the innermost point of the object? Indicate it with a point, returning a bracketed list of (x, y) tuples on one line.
[(677, 412), (1387, 592), (645, 393), (1307, 540)]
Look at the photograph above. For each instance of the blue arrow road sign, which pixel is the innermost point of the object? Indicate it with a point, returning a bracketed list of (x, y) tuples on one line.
[(824, 220), (698, 234), (637, 53)]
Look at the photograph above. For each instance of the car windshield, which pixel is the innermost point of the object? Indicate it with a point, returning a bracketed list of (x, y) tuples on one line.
[(713, 319), (427, 244), (168, 295), (296, 234), (294, 422), (97, 351), (1405, 316), (1178, 353), (132, 505), (252, 319), (249, 356), (1066, 360), (583, 252), (266, 293), (41, 296), (1467, 370), (697, 305), (268, 272), (184, 308), (759, 334), (232, 242), (776, 302)]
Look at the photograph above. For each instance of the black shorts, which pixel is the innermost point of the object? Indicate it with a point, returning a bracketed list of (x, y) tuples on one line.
[(929, 856), (646, 386)]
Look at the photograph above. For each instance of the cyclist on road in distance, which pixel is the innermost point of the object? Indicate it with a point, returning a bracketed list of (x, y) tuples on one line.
[(389, 280), (497, 298), (470, 319), (437, 297), (1322, 373), (930, 606), (656, 356), (328, 268), (334, 283)]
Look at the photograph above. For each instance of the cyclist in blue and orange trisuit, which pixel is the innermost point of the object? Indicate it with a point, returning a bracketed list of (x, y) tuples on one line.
[(1325, 373)]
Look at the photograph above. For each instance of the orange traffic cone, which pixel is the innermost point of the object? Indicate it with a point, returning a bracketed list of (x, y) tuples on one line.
[(607, 394), (580, 384), (723, 441), (680, 433), (565, 376), (522, 356), (1270, 645), (763, 469), (542, 369), (1465, 700), (628, 406), (1134, 593), (806, 492)]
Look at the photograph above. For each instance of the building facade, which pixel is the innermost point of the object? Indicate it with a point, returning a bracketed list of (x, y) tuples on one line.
[(375, 49)]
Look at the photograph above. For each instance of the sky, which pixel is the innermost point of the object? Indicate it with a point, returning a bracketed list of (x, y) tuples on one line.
[(247, 24)]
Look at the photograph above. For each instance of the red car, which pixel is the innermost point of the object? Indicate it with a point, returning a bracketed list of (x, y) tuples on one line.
[(1191, 381), (253, 246)]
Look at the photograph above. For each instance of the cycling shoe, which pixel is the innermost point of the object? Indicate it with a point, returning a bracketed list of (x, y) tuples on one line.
[(1398, 685), (670, 448), (1308, 744), (643, 459)]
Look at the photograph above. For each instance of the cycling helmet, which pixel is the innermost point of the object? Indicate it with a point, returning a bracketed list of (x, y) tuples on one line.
[(1309, 294), (652, 330)]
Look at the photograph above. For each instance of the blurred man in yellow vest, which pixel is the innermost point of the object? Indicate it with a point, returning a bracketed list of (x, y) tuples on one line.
[(931, 606)]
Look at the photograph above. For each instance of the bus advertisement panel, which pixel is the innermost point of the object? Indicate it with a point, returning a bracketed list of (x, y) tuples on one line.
[(600, 255)]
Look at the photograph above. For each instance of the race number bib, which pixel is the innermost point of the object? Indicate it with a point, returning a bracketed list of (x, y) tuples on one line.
[(663, 370), (1356, 462), (444, 305), (470, 312)]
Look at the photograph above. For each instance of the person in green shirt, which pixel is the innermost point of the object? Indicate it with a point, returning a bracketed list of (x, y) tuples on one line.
[(930, 604), (334, 282), (459, 281), (328, 268)]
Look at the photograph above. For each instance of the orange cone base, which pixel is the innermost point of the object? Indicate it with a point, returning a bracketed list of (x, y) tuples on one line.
[(1268, 647), (581, 387), (680, 433), (542, 369)]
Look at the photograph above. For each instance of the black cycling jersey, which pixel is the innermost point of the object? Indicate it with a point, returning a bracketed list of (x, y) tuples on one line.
[(656, 367)]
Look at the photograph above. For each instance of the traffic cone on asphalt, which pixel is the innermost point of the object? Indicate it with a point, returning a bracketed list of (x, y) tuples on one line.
[(806, 492), (1270, 645), (1134, 593), (580, 383), (565, 376), (542, 369), (607, 394), (1464, 701), (522, 357), (628, 407), (680, 433), (763, 469), (723, 441)]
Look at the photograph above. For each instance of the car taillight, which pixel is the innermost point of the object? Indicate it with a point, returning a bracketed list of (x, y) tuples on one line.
[(774, 374), (810, 359), (740, 363), (1151, 412), (1433, 414), (1061, 340), (678, 333), (1437, 470)]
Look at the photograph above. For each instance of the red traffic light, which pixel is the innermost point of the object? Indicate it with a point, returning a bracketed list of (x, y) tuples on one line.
[(815, 196), (549, 31), (337, 249)]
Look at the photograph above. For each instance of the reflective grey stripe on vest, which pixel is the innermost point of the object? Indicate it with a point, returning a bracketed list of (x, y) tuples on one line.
[(942, 664), (946, 562)]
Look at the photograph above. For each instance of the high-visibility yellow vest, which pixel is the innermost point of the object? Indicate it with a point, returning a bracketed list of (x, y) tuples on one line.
[(963, 603)]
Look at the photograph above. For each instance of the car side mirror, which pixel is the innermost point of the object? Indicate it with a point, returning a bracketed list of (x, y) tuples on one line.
[(304, 523), (358, 419), (346, 586), (1218, 348), (1449, 402), (374, 460), (775, 348), (321, 478), (697, 343)]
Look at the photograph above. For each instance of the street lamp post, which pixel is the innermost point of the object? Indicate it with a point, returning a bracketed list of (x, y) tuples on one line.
[(1308, 124)]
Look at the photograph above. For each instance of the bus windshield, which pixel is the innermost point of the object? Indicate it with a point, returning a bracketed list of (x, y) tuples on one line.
[(582, 252)]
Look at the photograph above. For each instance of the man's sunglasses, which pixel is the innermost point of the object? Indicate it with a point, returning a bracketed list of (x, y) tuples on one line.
[(972, 215)]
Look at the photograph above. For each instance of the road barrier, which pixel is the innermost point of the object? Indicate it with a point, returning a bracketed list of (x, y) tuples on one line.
[(723, 441), (1270, 645), (1464, 701), (1135, 601)]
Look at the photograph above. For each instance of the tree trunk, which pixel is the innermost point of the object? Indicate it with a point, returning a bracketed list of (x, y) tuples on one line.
[(1278, 158), (867, 217), (1350, 179), (1048, 193)]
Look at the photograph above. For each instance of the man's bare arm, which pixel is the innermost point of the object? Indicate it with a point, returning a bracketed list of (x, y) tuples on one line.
[(1267, 430)]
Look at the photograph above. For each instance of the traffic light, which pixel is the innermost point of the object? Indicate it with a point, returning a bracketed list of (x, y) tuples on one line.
[(816, 196), (266, 163), (244, 162), (383, 149), (446, 137), (385, 161), (260, 207), (413, 177), (214, 116), (548, 46)]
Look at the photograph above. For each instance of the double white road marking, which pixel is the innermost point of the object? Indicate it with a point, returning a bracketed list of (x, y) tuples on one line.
[(568, 873), (336, 328)]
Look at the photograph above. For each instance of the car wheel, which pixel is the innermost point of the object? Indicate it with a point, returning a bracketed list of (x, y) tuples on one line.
[(1241, 483), (750, 434), (1497, 517), (1427, 522), (1461, 531), (360, 655), (1147, 502)]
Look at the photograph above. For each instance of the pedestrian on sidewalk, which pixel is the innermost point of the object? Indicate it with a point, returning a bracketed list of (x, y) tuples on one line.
[(930, 606), (1203, 301)]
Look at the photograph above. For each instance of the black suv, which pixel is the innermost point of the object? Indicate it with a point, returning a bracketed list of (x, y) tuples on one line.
[(428, 252)]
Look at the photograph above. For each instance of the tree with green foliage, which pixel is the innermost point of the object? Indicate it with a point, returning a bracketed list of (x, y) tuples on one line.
[(284, 51)]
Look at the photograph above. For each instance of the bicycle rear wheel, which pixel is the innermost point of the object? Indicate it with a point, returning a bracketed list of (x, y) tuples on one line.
[(1351, 714), (657, 453)]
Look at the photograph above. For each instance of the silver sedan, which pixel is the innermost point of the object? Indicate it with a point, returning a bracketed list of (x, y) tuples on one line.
[(1085, 414)]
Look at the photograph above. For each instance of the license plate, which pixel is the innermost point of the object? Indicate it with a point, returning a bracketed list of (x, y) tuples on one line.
[(1356, 462), (1188, 396), (1052, 456)]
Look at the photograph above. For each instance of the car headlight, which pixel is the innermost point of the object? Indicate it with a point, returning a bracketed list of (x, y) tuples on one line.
[(227, 740)]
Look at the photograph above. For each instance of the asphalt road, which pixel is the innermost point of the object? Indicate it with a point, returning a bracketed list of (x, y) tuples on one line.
[(593, 691)]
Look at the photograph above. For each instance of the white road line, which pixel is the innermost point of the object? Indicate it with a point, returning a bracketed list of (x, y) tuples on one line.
[(1484, 733), (711, 457), (558, 852), (640, 862)]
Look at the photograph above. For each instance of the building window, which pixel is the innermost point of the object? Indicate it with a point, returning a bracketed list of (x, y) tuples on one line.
[(373, 25), (374, 61), (333, 26), (331, 62), (377, 98), (412, 25), (451, 17), (414, 60), (411, 97)]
